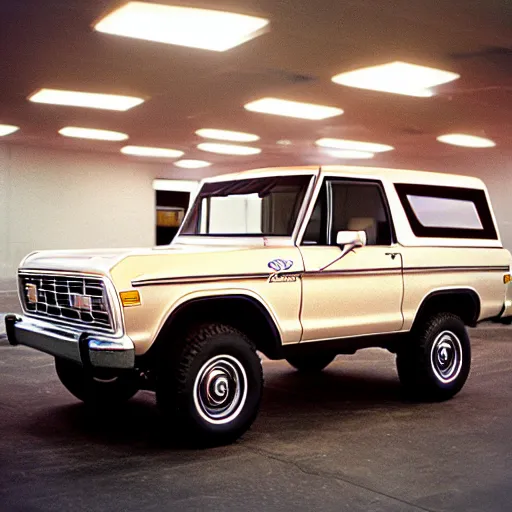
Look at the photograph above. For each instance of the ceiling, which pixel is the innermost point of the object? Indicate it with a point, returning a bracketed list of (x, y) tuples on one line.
[(51, 43)]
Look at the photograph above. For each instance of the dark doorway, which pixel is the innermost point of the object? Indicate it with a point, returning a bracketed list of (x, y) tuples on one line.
[(170, 210)]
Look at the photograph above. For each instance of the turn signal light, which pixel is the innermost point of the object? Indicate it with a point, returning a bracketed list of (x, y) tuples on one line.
[(507, 278), (131, 298)]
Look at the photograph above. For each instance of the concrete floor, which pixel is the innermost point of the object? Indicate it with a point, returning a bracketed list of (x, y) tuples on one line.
[(342, 440)]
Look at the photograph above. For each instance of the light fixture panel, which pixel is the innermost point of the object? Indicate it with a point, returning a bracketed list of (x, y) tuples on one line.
[(92, 133), (212, 133), (85, 99), (279, 107), (397, 77), (7, 129), (350, 154), (151, 152), (465, 140), (192, 164), (353, 145), (228, 149), (184, 26)]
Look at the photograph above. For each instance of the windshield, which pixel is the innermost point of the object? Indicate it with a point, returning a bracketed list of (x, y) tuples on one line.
[(251, 207)]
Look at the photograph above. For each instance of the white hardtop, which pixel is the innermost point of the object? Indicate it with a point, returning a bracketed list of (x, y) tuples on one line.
[(351, 171)]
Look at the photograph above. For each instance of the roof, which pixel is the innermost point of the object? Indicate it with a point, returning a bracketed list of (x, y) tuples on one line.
[(381, 173)]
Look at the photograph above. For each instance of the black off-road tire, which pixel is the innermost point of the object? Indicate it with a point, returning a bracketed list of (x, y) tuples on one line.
[(100, 389), (435, 363), (312, 363), (209, 388)]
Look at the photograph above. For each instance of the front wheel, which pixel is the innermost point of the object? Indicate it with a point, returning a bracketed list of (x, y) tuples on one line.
[(211, 390), (102, 388), (435, 364)]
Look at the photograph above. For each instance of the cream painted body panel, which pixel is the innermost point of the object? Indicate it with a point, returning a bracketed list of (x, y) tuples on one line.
[(428, 269), (175, 276), (358, 295), (85, 261)]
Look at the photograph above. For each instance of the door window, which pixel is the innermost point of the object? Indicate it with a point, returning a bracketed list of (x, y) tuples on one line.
[(348, 206)]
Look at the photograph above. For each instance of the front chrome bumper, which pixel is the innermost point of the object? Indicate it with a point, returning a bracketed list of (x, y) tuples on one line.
[(88, 349)]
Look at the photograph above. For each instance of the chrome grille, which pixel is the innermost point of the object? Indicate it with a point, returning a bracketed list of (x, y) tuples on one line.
[(78, 300)]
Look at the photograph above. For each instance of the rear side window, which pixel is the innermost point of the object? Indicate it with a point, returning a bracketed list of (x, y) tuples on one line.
[(447, 212)]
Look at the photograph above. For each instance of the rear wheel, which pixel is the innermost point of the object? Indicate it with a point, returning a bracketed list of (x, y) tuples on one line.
[(210, 389), (312, 363), (436, 363), (96, 387)]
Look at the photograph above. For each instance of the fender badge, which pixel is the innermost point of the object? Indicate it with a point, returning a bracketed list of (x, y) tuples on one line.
[(287, 278), (279, 265)]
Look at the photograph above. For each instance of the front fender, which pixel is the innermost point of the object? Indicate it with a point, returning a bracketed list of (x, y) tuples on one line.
[(212, 293)]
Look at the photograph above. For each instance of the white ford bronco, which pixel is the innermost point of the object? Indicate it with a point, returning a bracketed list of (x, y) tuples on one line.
[(300, 264)]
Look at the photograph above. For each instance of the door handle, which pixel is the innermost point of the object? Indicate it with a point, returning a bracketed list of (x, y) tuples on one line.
[(394, 255)]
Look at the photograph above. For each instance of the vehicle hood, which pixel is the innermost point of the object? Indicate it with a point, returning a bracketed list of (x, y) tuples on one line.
[(93, 261), (131, 265), (101, 261)]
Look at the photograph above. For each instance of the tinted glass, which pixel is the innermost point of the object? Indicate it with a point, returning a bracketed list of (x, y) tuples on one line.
[(447, 212), (354, 206)]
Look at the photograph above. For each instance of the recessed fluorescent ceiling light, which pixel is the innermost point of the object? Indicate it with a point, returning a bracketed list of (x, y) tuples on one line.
[(85, 99), (353, 145), (192, 164), (347, 153), (91, 133), (292, 109), (210, 133), (396, 77), (228, 149), (469, 141), (155, 152), (185, 26), (6, 129)]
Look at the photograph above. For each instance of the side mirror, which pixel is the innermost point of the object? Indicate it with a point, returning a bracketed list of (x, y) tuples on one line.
[(351, 238), (348, 241)]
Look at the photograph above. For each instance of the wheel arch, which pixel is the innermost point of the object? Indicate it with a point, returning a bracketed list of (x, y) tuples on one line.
[(467, 305), (240, 310)]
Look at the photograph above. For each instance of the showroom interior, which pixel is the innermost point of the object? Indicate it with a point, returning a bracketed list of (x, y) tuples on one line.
[(111, 114), (64, 192)]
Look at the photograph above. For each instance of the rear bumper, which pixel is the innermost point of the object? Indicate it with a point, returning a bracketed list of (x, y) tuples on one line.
[(87, 349), (505, 316)]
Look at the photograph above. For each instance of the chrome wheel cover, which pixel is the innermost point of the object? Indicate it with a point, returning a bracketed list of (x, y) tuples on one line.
[(220, 389), (446, 357)]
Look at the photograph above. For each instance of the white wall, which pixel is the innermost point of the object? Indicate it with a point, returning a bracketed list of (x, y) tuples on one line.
[(499, 183), (58, 199), (236, 214), (52, 199)]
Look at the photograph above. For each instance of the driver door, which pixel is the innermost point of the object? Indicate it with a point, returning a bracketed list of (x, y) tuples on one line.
[(361, 293)]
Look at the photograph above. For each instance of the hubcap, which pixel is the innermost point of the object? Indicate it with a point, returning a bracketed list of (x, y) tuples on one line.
[(220, 389), (446, 356)]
